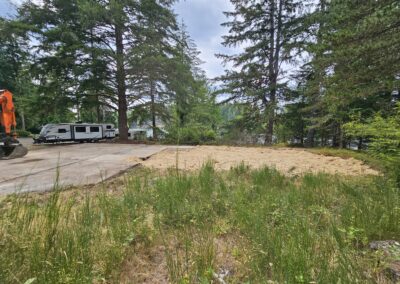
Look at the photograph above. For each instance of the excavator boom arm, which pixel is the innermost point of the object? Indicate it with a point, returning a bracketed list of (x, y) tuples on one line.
[(10, 147), (7, 115)]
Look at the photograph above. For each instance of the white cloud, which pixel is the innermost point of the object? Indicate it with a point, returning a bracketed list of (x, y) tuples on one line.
[(17, 2)]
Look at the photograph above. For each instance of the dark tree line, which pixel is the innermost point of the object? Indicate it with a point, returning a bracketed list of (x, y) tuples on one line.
[(308, 71), (88, 59), (348, 53)]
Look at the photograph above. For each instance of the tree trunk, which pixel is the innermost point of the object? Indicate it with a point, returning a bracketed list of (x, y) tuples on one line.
[(78, 113), (274, 59), (310, 138), (153, 111), (342, 140), (98, 111), (121, 85), (270, 112), (334, 141), (360, 144), (336, 137), (315, 98), (94, 91), (271, 119)]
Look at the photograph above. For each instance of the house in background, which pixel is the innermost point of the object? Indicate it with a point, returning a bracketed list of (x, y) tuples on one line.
[(143, 131)]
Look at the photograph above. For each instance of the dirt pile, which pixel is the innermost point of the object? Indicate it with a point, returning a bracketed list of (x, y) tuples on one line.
[(286, 160)]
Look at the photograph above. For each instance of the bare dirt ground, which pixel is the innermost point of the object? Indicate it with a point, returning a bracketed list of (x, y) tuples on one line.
[(148, 265), (286, 160)]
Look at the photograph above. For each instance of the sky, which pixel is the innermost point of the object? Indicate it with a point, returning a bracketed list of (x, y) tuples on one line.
[(6, 8), (203, 19)]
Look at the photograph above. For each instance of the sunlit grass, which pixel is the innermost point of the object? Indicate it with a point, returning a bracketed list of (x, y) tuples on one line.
[(367, 158), (309, 229)]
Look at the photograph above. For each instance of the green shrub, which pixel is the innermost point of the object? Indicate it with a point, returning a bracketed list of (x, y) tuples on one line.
[(209, 135), (192, 134), (23, 133), (383, 134)]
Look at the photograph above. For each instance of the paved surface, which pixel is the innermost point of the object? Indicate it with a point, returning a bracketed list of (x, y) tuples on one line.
[(77, 164), (27, 142)]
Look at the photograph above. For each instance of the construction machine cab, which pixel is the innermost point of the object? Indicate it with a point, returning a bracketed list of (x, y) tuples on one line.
[(10, 147)]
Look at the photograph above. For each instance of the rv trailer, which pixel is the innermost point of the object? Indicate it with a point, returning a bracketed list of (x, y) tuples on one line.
[(79, 132)]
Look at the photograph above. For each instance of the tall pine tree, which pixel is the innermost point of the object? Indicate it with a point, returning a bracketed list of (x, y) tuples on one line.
[(268, 31), (151, 60)]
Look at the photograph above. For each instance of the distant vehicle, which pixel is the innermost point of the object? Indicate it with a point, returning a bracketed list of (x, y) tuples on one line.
[(75, 132)]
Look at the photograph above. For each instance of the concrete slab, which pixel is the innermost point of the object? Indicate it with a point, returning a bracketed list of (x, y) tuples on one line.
[(76, 164)]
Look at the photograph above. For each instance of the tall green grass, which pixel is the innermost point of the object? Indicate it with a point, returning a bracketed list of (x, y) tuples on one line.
[(312, 229), (64, 239)]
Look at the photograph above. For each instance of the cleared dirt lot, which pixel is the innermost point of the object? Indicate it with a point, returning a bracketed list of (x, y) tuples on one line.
[(82, 164), (286, 160), (74, 164)]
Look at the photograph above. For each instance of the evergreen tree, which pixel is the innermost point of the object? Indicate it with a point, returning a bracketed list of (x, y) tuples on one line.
[(86, 45), (268, 29), (346, 41), (151, 60), (188, 80), (56, 38), (364, 38), (15, 72)]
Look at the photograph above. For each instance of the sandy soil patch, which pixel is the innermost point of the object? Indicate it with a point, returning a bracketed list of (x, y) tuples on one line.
[(149, 264), (286, 160)]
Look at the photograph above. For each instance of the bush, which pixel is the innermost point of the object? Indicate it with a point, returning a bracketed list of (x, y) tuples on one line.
[(23, 133), (192, 134), (383, 135)]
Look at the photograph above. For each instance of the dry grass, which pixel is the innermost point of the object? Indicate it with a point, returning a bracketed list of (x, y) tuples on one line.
[(289, 161), (237, 226)]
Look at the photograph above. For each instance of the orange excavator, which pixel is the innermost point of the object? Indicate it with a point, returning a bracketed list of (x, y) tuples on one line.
[(10, 147)]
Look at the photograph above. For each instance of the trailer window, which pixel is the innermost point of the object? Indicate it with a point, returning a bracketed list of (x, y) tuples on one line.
[(61, 130), (109, 126), (80, 129), (94, 129)]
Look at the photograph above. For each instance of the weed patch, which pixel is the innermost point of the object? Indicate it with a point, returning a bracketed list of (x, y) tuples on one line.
[(237, 226)]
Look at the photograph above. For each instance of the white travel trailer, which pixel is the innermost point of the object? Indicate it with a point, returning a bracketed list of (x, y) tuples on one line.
[(79, 132)]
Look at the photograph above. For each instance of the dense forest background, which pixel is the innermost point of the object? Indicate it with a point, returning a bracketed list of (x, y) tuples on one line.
[(310, 73)]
